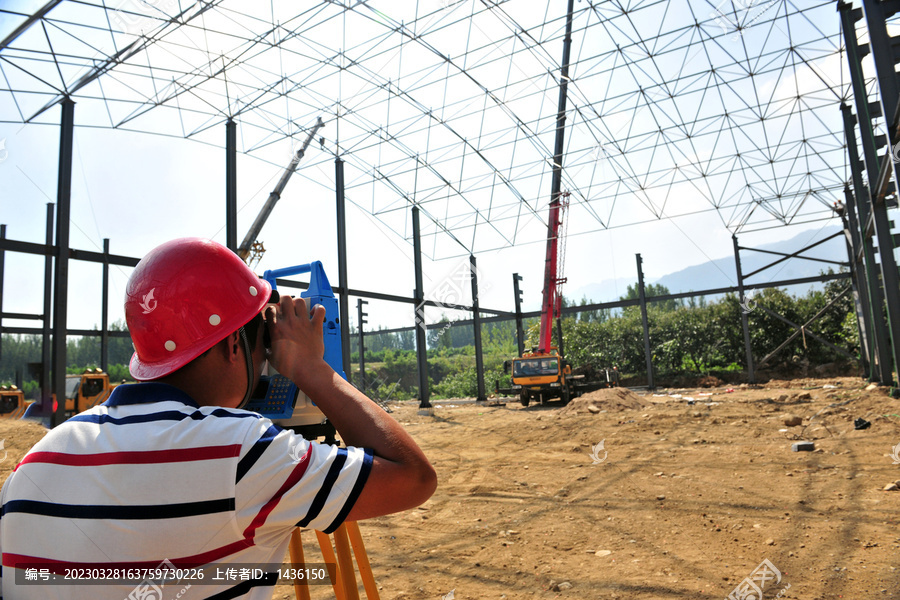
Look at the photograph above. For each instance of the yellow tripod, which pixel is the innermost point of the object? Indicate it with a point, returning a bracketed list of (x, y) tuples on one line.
[(343, 576)]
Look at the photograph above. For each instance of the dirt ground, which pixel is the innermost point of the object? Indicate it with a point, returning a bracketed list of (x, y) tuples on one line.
[(670, 494)]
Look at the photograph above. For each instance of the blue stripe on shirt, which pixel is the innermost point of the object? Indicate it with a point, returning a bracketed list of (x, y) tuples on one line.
[(146, 393), (106, 511), (318, 502), (256, 451), (168, 415), (364, 471)]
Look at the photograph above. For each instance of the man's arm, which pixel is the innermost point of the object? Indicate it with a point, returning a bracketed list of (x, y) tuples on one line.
[(401, 476)]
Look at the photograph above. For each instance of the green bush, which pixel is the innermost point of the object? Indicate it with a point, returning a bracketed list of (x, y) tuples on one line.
[(464, 384), (690, 337)]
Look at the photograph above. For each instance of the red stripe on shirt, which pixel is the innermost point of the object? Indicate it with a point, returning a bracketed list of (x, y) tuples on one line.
[(133, 458), (269, 506), (59, 566)]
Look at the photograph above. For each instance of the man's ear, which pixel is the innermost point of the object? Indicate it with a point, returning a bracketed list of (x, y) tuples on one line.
[(232, 345)]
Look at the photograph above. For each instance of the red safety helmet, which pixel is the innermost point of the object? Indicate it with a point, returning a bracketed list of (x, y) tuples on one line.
[(182, 299)]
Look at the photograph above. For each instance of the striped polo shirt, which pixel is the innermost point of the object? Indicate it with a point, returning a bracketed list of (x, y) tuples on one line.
[(150, 476)]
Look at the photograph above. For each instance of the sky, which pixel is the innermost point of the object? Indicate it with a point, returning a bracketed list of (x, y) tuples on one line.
[(632, 163)]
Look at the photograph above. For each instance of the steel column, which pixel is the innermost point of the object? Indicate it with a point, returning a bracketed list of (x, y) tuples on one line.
[(104, 311), (344, 300), (889, 277), (361, 320), (419, 293), (881, 48), (520, 334), (46, 404), (231, 185), (559, 336), (745, 323), (61, 279), (857, 280), (879, 358), (2, 261), (476, 327), (644, 324), (556, 183)]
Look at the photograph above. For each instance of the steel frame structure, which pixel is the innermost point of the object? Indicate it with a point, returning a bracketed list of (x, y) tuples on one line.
[(872, 201), (675, 109)]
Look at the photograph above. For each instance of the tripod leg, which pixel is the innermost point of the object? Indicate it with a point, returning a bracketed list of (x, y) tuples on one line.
[(362, 560), (335, 572), (345, 563), (296, 548)]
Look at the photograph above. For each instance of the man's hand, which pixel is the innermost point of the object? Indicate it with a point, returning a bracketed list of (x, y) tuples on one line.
[(298, 344), (401, 476)]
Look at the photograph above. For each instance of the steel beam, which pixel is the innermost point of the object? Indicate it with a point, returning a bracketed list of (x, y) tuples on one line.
[(625, 303), (61, 278), (476, 328), (745, 324), (643, 301), (34, 18), (344, 299), (108, 63)]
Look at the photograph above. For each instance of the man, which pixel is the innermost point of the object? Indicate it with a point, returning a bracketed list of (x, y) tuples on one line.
[(171, 473)]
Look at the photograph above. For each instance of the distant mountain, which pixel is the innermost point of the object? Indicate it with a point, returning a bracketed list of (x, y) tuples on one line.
[(721, 272)]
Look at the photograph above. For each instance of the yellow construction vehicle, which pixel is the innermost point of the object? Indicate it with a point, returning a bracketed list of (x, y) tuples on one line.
[(12, 402), (543, 373), (83, 391)]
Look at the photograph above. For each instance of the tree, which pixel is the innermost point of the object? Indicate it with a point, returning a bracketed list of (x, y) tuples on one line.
[(651, 291)]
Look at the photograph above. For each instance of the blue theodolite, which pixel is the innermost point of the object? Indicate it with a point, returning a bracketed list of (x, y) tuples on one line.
[(278, 397)]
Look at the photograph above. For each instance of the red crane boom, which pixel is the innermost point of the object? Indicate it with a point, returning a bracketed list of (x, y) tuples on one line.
[(553, 279)]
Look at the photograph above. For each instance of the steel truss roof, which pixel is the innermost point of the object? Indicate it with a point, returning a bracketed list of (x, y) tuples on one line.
[(675, 107)]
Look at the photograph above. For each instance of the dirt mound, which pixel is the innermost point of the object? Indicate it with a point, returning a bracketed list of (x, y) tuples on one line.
[(709, 381), (612, 399), (16, 439), (873, 403)]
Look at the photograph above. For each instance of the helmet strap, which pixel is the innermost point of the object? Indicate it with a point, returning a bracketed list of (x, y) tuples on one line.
[(248, 355)]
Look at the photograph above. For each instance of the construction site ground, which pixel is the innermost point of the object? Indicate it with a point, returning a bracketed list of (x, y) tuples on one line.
[(641, 495)]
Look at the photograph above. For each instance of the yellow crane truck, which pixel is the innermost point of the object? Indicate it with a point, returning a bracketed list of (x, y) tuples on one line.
[(83, 391), (86, 390), (12, 402)]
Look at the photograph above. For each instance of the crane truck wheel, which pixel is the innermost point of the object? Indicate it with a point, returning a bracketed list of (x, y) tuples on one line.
[(523, 398)]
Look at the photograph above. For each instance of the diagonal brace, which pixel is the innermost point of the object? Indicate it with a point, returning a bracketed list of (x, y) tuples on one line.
[(787, 256), (802, 329)]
